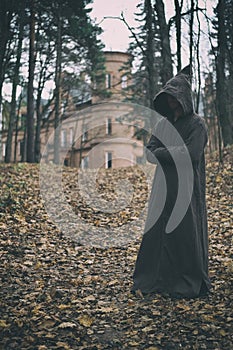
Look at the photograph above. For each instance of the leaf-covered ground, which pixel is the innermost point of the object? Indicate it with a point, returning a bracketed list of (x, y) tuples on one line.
[(60, 294)]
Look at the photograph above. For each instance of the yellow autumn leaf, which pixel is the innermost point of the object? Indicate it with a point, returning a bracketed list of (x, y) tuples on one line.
[(19, 323), (133, 343), (47, 323), (50, 335), (85, 320), (111, 283), (218, 179), (89, 298), (183, 307), (133, 257), (159, 336), (222, 332), (63, 345), (3, 324), (67, 325), (208, 318), (36, 310), (147, 329), (106, 309), (156, 313), (63, 306), (38, 265)]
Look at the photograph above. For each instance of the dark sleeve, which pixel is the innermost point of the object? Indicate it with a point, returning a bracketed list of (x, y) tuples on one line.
[(151, 147), (194, 144)]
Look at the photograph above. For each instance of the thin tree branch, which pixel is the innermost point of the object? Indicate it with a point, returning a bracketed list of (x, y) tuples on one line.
[(173, 19), (122, 18)]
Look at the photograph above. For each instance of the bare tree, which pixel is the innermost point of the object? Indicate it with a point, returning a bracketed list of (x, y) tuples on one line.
[(14, 88), (58, 87), (166, 68), (221, 91), (150, 51), (191, 33), (198, 62), (45, 51), (178, 8), (6, 15), (30, 94)]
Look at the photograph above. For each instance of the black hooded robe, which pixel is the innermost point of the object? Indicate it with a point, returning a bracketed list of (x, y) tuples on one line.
[(175, 263)]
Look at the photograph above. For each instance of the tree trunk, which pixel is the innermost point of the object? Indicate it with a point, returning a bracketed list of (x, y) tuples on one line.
[(16, 131), (1, 148), (221, 78), (198, 62), (150, 52), (191, 33), (58, 92), (166, 70), (13, 97), (6, 17), (178, 8), (38, 128), (24, 153), (40, 110), (30, 97)]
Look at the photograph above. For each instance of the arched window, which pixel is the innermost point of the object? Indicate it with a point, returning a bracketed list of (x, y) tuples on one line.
[(108, 126), (108, 160), (124, 81), (108, 81)]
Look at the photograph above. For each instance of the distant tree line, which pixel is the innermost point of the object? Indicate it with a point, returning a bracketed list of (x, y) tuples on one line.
[(151, 49), (43, 41), (57, 41)]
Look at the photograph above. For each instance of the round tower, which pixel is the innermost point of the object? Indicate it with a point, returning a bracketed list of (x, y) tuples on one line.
[(117, 75)]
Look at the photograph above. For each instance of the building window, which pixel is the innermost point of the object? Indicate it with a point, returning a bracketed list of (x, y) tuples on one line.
[(66, 162), (108, 160), (63, 107), (64, 138), (108, 126), (71, 136), (3, 149), (124, 82), (108, 81), (84, 133), (85, 162)]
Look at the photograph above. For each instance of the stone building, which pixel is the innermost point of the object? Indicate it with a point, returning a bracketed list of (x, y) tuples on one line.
[(96, 132)]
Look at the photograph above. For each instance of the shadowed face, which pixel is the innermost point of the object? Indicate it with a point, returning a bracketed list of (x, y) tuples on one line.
[(172, 102), (175, 106)]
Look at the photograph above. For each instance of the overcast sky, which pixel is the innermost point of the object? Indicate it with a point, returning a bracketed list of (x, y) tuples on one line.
[(116, 34)]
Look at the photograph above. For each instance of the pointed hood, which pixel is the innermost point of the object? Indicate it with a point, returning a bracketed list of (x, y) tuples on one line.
[(179, 87)]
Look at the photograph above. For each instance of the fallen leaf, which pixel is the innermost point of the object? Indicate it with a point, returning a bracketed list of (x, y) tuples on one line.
[(3, 324), (85, 320), (67, 325)]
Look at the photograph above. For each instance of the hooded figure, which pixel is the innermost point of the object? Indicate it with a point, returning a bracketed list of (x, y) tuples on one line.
[(173, 256)]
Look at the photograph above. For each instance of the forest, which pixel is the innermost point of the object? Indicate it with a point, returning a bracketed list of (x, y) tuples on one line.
[(58, 42)]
